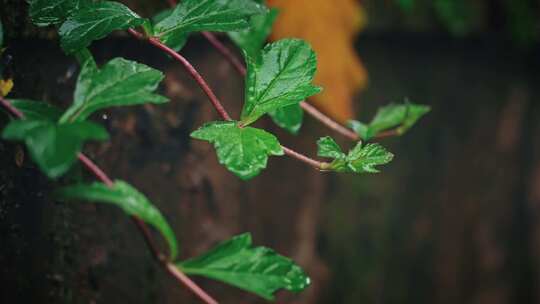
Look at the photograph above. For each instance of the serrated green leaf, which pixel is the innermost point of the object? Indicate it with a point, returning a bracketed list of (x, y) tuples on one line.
[(244, 151), (95, 21), (36, 110), (208, 15), (360, 159), (52, 146), (327, 147), (289, 118), (120, 82), (282, 77), (259, 270), (399, 116), (173, 39), (130, 200), (47, 12), (252, 39)]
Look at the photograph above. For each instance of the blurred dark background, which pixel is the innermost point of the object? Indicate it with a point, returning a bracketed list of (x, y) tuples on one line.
[(455, 218)]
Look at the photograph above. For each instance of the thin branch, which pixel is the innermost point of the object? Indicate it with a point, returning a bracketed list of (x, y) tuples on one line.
[(226, 52), (206, 88), (174, 271), (389, 133), (311, 110), (314, 163), (329, 122), (102, 176), (200, 80), (10, 108)]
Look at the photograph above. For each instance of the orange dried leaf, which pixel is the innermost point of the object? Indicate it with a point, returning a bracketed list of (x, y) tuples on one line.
[(330, 27), (5, 86)]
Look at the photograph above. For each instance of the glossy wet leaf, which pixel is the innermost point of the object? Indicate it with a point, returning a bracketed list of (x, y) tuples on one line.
[(120, 82), (400, 117), (95, 21), (129, 199), (281, 77), (253, 38), (259, 270), (206, 15), (173, 39), (52, 146), (36, 110), (327, 147), (360, 159), (244, 151), (47, 12), (289, 118)]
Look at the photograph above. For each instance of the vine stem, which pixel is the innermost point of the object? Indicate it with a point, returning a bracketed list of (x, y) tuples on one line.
[(311, 110), (143, 228), (216, 103)]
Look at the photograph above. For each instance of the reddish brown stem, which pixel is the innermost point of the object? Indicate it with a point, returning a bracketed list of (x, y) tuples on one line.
[(200, 80), (10, 108), (314, 163), (386, 134), (206, 88), (329, 122), (226, 52), (102, 176)]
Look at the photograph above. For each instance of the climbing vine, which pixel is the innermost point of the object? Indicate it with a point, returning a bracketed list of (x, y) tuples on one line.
[(278, 80)]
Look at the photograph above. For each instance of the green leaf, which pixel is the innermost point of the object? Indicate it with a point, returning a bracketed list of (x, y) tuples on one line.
[(36, 110), (289, 118), (252, 39), (129, 200), (95, 21), (47, 12), (118, 83), (259, 270), (327, 147), (244, 151), (399, 116), (282, 77), (52, 146), (208, 15), (173, 39), (361, 159)]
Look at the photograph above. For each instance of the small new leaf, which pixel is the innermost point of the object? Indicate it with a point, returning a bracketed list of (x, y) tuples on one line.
[(95, 21), (259, 270), (244, 151), (281, 77), (52, 146), (205, 15), (36, 110), (361, 159), (120, 82), (47, 12), (129, 200), (400, 117), (289, 118), (252, 39)]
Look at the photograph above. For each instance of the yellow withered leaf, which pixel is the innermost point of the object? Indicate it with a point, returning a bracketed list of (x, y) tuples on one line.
[(330, 27), (5, 86)]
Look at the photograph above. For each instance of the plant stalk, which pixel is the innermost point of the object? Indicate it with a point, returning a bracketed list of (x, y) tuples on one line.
[(102, 176), (218, 106)]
